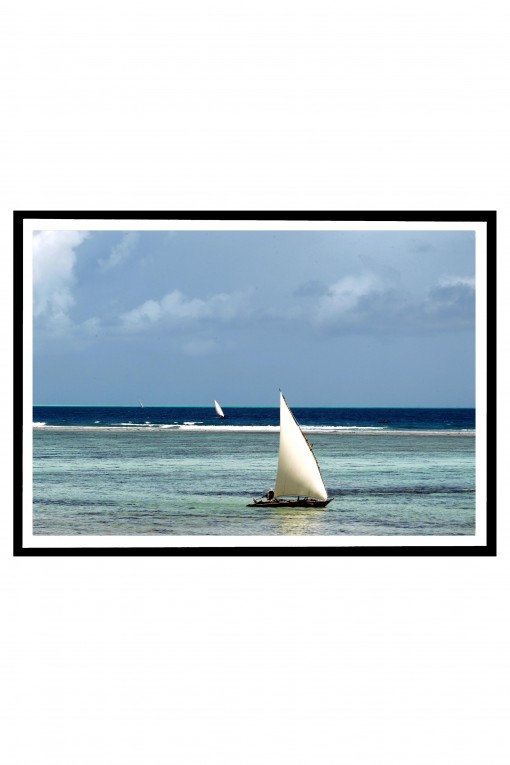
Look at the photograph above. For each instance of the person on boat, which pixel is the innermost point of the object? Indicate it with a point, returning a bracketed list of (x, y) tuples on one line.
[(270, 495)]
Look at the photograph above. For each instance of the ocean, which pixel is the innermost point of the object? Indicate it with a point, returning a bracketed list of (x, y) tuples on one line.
[(182, 471)]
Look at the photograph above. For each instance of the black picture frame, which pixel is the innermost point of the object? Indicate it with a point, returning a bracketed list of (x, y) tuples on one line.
[(487, 549)]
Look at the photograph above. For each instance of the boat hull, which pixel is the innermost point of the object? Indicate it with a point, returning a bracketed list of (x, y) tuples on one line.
[(289, 502)]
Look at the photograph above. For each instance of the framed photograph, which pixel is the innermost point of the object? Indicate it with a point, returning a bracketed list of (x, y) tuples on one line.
[(254, 383)]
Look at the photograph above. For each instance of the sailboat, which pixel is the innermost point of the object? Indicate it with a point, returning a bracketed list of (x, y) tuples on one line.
[(299, 482), (219, 410), (141, 404)]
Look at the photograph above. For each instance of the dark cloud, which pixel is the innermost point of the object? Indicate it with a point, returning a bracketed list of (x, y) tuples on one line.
[(312, 288), (421, 245), (452, 302), (366, 304)]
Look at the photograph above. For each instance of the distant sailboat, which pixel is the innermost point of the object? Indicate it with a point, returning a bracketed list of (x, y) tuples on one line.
[(141, 404), (299, 482), (219, 410)]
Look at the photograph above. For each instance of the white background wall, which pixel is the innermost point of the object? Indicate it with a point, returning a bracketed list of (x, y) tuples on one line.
[(253, 106)]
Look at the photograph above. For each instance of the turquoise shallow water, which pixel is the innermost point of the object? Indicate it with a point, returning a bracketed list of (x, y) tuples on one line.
[(129, 482)]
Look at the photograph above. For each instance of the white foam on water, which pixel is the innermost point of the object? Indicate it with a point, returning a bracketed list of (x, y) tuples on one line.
[(230, 428), (308, 429)]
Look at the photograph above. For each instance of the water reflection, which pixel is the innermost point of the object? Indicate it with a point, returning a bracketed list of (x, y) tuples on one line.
[(298, 520)]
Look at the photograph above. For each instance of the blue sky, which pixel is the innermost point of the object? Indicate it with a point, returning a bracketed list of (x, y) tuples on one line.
[(334, 318)]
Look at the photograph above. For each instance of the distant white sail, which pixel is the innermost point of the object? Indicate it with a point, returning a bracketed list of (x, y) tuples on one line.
[(219, 410), (141, 404), (298, 470)]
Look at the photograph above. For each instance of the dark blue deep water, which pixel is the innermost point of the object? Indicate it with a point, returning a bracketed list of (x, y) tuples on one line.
[(256, 417)]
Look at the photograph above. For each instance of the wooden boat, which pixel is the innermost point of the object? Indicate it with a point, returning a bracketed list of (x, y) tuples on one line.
[(299, 482)]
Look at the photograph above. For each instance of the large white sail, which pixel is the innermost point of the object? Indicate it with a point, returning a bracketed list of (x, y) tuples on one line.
[(219, 410), (298, 471)]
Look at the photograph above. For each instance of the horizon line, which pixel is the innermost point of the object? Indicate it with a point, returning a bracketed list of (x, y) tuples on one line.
[(253, 406)]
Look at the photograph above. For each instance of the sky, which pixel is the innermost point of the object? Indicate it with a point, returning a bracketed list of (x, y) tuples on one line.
[(179, 318)]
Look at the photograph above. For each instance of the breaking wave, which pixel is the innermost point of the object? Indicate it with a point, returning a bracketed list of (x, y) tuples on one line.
[(199, 427)]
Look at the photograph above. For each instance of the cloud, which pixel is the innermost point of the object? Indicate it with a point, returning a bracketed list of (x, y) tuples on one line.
[(347, 298), (177, 309), (457, 281), (120, 252), (421, 246), (90, 327), (366, 302), (54, 259), (311, 288), (452, 301)]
